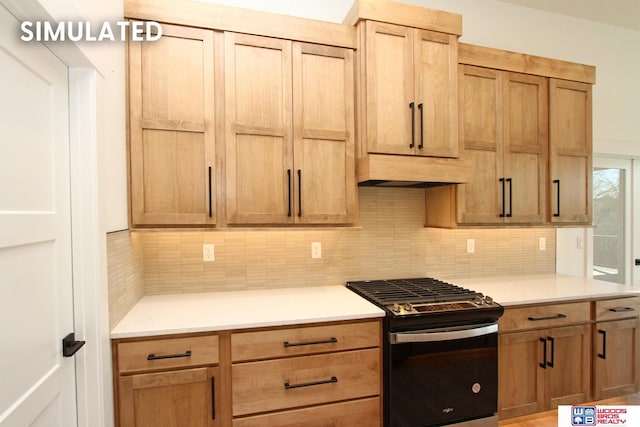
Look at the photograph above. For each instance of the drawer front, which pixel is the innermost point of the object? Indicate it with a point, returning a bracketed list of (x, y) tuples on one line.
[(304, 340), (544, 316), (309, 380), (141, 356), (365, 412), (619, 308)]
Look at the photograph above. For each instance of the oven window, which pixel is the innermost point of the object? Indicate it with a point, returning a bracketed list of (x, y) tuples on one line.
[(439, 383)]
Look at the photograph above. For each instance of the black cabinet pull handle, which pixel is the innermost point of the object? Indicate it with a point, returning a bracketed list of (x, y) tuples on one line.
[(297, 344), (288, 386), (210, 201), (622, 309), (413, 124), (213, 398), (169, 356), (510, 181), (70, 346), (543, 365), (603, 355), (421, 146), (553, 351), (557, 182), (557, 316), (299, 193), (289, 192), (502, 215)]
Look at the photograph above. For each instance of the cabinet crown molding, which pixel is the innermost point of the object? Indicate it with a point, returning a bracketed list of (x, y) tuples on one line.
[(225, 18), (393, 12), (488, 57)]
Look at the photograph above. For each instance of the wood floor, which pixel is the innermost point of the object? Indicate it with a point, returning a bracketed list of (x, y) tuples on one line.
[(550, 418)]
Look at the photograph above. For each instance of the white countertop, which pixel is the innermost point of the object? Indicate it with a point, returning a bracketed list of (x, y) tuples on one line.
[(543, 288), (216, 311)]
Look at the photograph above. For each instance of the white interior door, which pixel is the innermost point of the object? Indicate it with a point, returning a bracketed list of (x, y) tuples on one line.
[(612, 213), (36, 295)]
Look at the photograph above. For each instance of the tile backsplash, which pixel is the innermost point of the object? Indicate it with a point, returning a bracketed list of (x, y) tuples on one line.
[(389, 242)]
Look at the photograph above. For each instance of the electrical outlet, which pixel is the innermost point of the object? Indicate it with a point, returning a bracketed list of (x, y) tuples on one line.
[(579, 242), (208, 252), (542, 243), (471, 246), (316, 250)]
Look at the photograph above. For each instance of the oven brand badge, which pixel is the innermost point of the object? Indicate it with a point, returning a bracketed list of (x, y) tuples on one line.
[(447, 410), (476, 387)]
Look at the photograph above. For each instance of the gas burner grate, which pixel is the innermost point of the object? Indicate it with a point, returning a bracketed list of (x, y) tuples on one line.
[(415, 291)]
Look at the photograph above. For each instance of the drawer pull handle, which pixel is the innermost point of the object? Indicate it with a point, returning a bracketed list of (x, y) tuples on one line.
[(298, 344), (169, 356), (553, 352), (288, 386), (557, 316), (622, 309), (603, 355)]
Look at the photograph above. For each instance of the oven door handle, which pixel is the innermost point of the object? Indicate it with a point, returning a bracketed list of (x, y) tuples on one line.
[(427, 336)]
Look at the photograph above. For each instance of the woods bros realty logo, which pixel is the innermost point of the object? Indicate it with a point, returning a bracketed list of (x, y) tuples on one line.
[(76, 31), (598, 416)]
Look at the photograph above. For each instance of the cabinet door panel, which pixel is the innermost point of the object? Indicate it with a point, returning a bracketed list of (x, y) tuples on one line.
[(179, 398), (526, 141), (258, 129), (389, 88), (172, 146), (570, 151), (435, 64), (521, 379), (323, 135), (616, 358), (568, 380), (480, 200)]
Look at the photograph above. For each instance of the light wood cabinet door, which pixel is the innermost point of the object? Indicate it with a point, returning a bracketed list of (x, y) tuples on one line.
[(526, 141), (539, 370), (259, 140), (503, 121), (411, 91), (186, 398), (390, 114), (616, 358), (568, 372), (570, 143), (289, 132), (520, 376), (324, 147), (172, 143), (481, 124), (435, 61)]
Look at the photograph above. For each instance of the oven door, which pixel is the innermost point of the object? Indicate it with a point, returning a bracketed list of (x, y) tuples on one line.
[(442, 376)]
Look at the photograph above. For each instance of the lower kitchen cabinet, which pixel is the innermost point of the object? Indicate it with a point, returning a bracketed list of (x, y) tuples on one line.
[(312, 375), (545, 367), (616, 348), (172, 381), (186, 398)]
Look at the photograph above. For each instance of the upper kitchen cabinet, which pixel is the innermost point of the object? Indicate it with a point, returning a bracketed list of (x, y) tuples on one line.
[(289, 132), (503, 128), (171, 124), (255, 108), (571, 152), (410, 90), (408, 87), (513, 125)]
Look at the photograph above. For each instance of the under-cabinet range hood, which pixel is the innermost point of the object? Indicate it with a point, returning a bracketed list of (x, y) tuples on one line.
[(387, 170)]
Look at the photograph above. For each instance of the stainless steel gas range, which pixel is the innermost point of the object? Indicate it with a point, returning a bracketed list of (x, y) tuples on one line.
[(440, 352)]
